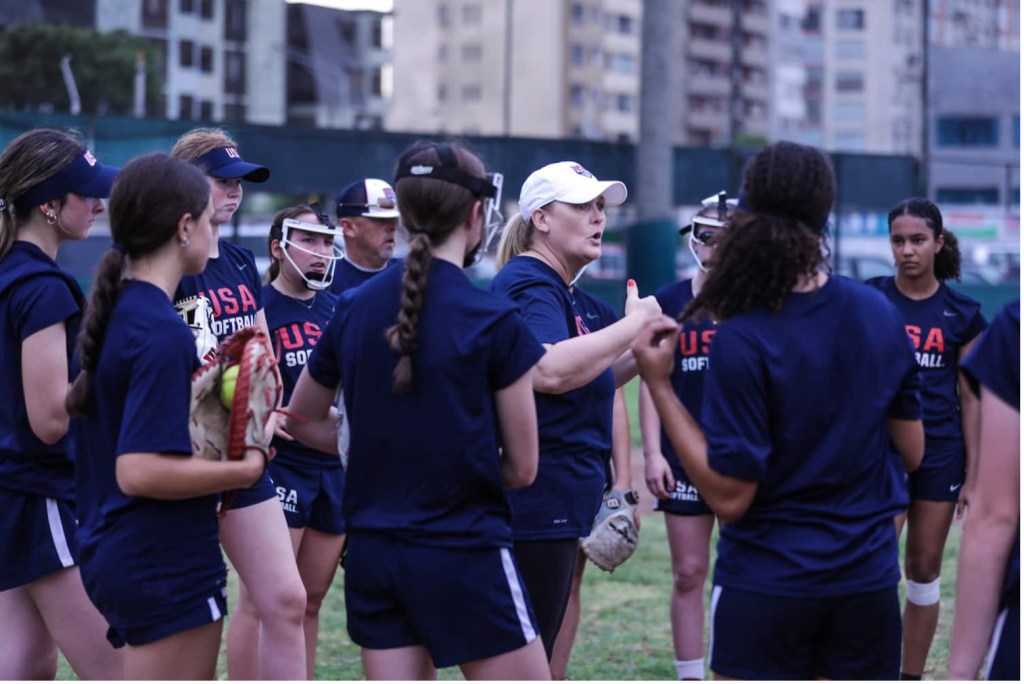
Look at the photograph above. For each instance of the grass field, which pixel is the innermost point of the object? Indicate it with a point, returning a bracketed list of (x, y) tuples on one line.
[(624, 629)]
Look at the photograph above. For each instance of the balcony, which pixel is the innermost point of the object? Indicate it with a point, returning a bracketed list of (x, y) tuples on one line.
[(755, 23), (754, 56), (707, 120), (707, 85), (715, 51), (710, 14)]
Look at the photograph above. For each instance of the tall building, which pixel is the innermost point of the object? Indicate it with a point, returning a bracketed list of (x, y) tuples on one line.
[(571, 68), (221, 61), (974, 103), (338, 67), (787, 111)]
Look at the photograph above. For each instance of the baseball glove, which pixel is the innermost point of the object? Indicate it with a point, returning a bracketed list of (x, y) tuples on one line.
[(197, 312), (614, 536), (218, 433)]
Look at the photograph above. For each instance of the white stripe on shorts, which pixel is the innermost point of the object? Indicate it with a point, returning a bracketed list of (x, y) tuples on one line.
[(60, 542), (517, 595), (716, 593), (997, 634), (214, 609)]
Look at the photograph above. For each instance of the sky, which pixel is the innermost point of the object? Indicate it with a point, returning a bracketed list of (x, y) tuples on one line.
[(378, 5)]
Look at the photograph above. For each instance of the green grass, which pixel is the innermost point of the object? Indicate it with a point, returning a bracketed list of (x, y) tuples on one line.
[(624, 629)]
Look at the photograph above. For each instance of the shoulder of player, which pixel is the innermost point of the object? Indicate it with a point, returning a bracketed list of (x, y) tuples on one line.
[(955, 297)]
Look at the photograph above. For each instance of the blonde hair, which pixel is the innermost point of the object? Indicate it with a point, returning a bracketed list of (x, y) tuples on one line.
[(197, 142), (516, 238)]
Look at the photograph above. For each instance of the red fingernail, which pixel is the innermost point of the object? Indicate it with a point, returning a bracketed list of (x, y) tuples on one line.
[(630, 283)]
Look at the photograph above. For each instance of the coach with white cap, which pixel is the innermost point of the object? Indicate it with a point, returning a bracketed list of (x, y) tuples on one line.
[(367, 211), (556, 233)]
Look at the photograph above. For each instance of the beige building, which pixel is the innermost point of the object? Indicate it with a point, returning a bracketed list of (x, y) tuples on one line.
[(570, 68)]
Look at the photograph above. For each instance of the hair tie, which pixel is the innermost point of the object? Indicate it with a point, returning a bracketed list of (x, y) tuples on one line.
[(3, 204)]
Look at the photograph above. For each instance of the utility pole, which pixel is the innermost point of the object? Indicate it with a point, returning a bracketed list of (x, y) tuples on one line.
[(924, 174), (652, 241)]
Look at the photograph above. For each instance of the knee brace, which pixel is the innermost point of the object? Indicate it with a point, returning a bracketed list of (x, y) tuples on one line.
[(923, 593)]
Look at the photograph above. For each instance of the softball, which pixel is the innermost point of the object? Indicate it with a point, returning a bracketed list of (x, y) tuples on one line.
[(227, 386)]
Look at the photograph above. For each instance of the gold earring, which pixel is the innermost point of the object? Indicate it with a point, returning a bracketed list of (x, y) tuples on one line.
[(51, 219)]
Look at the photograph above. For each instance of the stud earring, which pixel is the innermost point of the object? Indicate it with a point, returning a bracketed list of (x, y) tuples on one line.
[(51, 219), (185, 242)]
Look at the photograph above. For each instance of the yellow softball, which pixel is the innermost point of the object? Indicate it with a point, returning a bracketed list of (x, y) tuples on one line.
[(227, 386)]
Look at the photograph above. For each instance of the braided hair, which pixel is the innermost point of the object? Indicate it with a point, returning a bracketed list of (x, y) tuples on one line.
[(431, 207)]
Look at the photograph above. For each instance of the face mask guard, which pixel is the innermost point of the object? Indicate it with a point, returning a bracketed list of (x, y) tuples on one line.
[(314, 281), (720, 208)]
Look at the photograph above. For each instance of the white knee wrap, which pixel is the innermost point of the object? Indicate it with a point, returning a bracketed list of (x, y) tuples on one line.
[(923, 593)]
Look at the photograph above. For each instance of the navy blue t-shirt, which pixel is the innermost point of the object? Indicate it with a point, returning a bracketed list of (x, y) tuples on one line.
[(797, 402), (295, 327), (597, 313), (938, 326), (425, 465), (232, 284), (575, 427), (34, 294), (995, 363), (142, 559), (347, 275), (692, 355)]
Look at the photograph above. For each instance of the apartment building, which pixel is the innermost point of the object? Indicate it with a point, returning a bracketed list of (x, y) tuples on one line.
[(571, 68)]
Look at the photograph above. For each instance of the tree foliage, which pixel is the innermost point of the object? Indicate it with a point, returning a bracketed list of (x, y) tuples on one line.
[(103, 65)]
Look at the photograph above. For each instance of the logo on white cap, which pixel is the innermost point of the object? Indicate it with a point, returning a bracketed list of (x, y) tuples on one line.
[(566, 181)]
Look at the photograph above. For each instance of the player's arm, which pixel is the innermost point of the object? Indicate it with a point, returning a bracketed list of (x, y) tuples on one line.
[(621, 443), (970, 419), (517, 420), (988, 536), (310, 415), (728, 497), (657, 471), (44, 373), (574, 362), (908, 436), (162, 476)]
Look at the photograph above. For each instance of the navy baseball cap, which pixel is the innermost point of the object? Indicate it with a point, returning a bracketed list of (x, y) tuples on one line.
[(369, 197), (84, 176), (225, 162)]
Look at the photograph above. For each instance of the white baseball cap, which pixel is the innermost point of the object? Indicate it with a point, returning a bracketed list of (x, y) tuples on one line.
[(369, 197), (566, 181)]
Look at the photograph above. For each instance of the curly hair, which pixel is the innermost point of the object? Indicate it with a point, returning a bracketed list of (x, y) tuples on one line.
[(947, 261), (776, 239)]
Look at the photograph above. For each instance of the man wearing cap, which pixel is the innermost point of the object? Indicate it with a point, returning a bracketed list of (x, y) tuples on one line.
[(368, 215)]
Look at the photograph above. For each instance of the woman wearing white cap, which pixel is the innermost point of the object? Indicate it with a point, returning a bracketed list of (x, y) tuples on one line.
[(557, 232)]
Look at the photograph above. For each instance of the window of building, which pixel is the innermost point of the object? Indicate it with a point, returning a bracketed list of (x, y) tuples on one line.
[(186, 6), (471, 52), (346, 30), (234, 113), (624, 102), (812, 20), (595, 54), (623, 63), (849, 81), (442, 92), (377, 33), (206, 9), (968, 131), (954, 195), (576, 96), (355, 83), (206, 110), (850, 19), (154, 13), (443, 16), (234, 72), (472, 92), (185, 56), (576, 54), (850, 111), (624, 24), (850, 141), (850, 49), (472, 14), (235, 20), (813, 112), (185, 106), (206, 59), (576, 14)]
